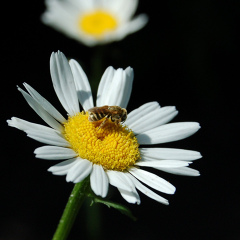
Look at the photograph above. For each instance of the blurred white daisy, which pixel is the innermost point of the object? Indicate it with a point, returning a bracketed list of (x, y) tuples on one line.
[(109, 154), (94, 21)]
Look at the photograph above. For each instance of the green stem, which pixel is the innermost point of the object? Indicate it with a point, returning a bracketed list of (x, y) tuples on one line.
[(71, 210), (97, 67)]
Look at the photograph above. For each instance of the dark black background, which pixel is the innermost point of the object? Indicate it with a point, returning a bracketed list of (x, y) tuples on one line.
[(186, 56)]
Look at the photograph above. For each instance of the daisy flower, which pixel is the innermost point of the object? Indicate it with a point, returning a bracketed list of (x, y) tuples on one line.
[(109, 154), (94, 22)]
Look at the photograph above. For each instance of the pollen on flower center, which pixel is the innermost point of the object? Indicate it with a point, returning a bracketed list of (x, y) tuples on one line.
[(97, 23), (113, 146)]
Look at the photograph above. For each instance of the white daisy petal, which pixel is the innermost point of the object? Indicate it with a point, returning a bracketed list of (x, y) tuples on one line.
[(130, 27), (63, 83), (127, 7), (54, 70), (83, 88), (27, 126), (185, 171), (153, 180), (120, 90), (104, 84), (38, 132), (63, 167), (168, 153), (54, 153), (141, 112), (85, 5), (163, 164), (51, 137), (127, 87), (41, 111), (148, 192), (99, 181), (62, 21), (119, 180), (44, 103), (153, 119), (131, 197), (80, 171), (66, 8), (115, 87), (168, 133), (112, 98)]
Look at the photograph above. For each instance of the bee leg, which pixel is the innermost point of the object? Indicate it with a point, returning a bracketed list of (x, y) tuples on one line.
[(117, 122), (102, 124)]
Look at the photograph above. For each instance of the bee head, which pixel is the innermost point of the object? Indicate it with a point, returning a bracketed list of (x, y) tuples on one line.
[(124, 115)]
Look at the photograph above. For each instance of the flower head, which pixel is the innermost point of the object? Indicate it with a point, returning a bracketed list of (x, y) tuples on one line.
[(94, 22), (105, 150)]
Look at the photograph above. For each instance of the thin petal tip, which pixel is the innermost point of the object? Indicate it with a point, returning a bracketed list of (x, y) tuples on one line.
[(198, 125), (9, 122), (165, 202)]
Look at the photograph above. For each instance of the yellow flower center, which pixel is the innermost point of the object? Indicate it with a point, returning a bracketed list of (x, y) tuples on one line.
[(97, 23), (113, 146)]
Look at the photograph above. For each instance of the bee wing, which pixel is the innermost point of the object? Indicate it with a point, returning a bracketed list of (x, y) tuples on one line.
[(92, 109), (98, 109)]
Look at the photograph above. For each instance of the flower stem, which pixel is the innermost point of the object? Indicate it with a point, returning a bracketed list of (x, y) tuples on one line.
[(71, 210), (97, 65)]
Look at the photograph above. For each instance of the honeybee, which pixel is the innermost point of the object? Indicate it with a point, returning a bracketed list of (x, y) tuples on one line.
[(115, 113)]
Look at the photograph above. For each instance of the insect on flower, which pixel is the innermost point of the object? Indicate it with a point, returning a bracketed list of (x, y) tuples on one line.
[(116, 154), (115, 113)]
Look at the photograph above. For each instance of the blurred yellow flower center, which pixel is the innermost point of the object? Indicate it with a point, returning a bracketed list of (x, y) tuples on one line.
[(113, 146), (97, 23)]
